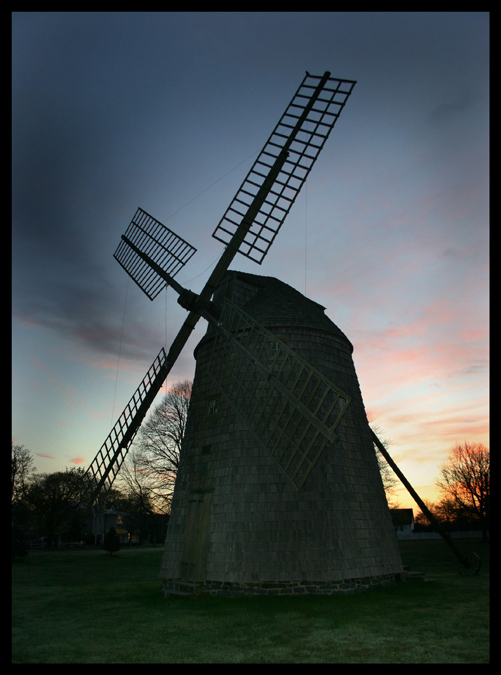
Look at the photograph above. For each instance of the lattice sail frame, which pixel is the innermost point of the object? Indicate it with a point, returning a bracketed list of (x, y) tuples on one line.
[(315, 107), (106, 464), (290, 407), (168, 250)]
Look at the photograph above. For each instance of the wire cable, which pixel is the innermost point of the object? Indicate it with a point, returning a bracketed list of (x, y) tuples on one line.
[(305, 232), (210, 186)]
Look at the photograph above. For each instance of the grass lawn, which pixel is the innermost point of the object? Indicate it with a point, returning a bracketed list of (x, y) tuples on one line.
[(97, 608)]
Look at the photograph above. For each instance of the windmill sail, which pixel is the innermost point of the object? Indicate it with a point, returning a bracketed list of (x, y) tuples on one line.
[(291, 408), (302, 132), (169, 251), (107, 462)]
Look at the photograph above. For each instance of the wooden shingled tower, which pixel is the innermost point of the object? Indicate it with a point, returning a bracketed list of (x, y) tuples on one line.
[(263, 501)]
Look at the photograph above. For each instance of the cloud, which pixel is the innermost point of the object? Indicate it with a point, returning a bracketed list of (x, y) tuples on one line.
[(78, 460), (476, 367), (445, 112), (91, 314), (41, 454), (426, 424)]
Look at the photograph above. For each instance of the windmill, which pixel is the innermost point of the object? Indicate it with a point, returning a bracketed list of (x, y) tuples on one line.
[(269, 432)]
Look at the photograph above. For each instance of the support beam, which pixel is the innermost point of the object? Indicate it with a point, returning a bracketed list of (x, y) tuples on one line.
[(438, 526)]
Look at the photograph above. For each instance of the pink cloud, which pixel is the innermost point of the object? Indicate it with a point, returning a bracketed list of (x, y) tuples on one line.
[(41, 454), (443, 429), (108, 364), (78, 460), (474, 335), (409, 356), (438, 313), (99, 362), (404, 331), (425, 427), (429, 348)]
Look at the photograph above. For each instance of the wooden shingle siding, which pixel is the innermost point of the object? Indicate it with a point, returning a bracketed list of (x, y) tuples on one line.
[(334, 532)]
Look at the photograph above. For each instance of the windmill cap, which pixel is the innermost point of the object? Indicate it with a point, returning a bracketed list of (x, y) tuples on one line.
[(275, 304)]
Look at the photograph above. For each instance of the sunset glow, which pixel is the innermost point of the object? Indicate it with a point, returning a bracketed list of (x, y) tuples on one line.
[(112, 111)]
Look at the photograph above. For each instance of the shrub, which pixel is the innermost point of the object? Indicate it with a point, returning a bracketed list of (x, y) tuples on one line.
[(111, 541)]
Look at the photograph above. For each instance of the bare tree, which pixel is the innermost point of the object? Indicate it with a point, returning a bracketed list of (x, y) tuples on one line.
[(135, 481), (390, 480), (21, 469), (465, 477), (151, 466)]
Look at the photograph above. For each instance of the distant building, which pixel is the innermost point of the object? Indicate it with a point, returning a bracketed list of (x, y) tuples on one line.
[(102, 522), (403, 522)]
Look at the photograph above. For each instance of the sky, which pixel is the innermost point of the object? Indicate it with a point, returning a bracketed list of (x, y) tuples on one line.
[(167, 112)]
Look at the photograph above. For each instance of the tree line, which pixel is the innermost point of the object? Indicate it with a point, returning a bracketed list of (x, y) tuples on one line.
[(55, 505)]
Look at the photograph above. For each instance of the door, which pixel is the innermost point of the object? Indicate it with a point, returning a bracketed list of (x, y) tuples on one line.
[(197, 536)]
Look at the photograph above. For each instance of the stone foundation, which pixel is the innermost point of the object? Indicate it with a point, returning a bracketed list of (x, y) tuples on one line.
[(236, 589)]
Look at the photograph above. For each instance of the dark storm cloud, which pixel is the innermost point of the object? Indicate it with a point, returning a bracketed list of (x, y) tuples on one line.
[(62, 264), (88, 307), (86, 101), (444, 113)]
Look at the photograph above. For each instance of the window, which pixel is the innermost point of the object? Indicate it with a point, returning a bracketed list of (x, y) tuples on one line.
[(213, 407)]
